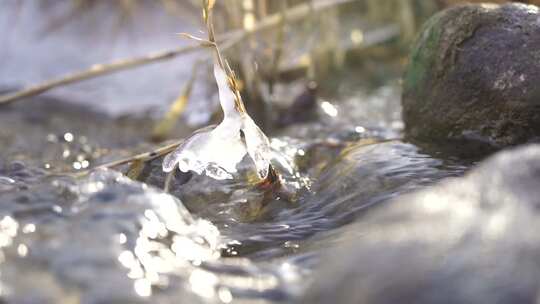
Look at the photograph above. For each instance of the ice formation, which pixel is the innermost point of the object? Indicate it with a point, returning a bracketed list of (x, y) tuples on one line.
[(216, 152)]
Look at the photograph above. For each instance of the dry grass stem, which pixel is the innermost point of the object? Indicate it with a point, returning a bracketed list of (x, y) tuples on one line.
[(229, 39)]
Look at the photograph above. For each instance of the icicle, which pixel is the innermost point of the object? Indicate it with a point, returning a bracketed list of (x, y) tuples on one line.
[(217, 152)]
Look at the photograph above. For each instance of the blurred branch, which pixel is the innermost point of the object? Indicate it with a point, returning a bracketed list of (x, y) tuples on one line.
[(165, 125), (229, 39), (95, 71), (289, 71), (143, 157), (278, 51)]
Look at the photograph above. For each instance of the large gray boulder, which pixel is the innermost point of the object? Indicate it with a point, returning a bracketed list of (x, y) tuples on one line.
[(472, 239), (474, 74)]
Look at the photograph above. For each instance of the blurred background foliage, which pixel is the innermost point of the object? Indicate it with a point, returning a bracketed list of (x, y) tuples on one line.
[(308, 47)]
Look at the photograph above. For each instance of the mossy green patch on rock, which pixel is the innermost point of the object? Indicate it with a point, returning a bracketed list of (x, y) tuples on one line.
[(422, 57), (473, 74)]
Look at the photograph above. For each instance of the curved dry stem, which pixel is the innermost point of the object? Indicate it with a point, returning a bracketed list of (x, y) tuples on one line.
[(95, 71), (143, 157), (229, 39)]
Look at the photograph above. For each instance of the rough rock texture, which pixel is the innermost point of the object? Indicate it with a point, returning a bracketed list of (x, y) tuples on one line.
[(474, 74), (472, 239)]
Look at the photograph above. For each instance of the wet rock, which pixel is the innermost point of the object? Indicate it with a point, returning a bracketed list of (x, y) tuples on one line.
[(302, 109), (466, 240), (473, 75)]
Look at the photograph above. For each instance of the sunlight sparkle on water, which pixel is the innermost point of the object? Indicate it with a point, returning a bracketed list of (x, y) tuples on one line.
[(225, 295), (122, 239), (8, 230), (22, 250), (154, 256), (203, 283), (143, 287), (68, 137), (29, 228), (329, 109)]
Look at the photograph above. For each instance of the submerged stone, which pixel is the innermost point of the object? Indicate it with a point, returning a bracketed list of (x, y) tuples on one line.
[(471, 239), (473, 75)]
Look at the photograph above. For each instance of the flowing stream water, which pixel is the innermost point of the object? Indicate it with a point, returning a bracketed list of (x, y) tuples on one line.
[(104, 238)]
